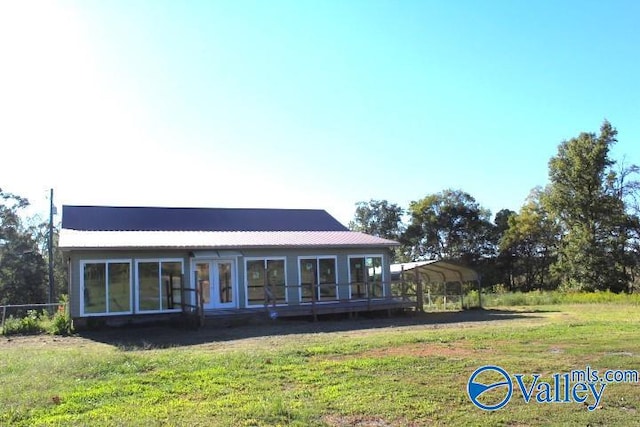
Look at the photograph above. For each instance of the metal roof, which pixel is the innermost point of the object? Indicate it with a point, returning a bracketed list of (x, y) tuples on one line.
[(117, 218), (80, 239), (435, 271)]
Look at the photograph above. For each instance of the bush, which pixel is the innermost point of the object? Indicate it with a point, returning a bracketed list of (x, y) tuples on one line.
[(35, 322), (471, 300), (11, 326), (32, 323), (61, 323)]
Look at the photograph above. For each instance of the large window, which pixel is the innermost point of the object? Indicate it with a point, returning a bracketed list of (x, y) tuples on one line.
[(158, 284), (365, 277), (266, 281), (106, 287), (318, 279)]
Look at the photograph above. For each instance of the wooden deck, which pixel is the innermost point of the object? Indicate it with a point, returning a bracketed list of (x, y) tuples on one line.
[(232, 315), (315, 309)]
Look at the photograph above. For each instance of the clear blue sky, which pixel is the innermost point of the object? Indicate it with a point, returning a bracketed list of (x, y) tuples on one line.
[(310, 104)]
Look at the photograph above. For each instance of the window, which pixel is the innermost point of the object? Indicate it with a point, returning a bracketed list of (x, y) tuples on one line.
[(318, 274), (106, 287), (159, 284), (365, 277), (266, 281)]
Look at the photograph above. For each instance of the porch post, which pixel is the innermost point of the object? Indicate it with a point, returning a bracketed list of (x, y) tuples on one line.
[(314, 288), (419, 295)]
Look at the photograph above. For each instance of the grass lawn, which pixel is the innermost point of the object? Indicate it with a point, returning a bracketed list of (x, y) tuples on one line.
[(365, 372)]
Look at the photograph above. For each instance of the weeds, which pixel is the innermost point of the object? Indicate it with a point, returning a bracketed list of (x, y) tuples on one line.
[(39, 322), (496, 299)]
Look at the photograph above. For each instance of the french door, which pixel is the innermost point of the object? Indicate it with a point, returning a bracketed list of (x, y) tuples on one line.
[(217, 282)]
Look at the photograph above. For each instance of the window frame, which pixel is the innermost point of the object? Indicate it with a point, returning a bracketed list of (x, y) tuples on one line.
[(106, 263), (317, 259), (136, 282), (264, 264), (382, 274)]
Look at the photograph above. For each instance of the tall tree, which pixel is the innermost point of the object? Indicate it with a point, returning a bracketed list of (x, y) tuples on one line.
[(530, 244), (501, 222), (378, 218), (592, 215), (449, 225), (383, 219), (22, 267), (40, 232), (499, 268)]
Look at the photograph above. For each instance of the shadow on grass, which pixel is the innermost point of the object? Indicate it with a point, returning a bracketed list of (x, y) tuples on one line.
[(216, 330)]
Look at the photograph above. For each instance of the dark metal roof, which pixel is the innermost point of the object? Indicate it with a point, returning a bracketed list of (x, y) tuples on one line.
[(116, 218)]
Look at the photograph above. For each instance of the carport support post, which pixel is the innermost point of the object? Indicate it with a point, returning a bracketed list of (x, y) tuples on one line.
[(403, 283), (419, 295), (444, 300), (480, 292)]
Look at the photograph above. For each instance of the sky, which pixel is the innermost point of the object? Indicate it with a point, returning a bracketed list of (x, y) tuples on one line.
[(306, 104)]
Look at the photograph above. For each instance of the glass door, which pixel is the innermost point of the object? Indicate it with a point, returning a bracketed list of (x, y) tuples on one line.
[(224, 283), (217, 283), (202, 274)]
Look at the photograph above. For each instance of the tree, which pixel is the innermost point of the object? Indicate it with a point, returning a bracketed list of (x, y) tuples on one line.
[(627, 189), (23, 270), (378, 218), (499, 269), (449, 225), (40, 232), (501, 223), (585, 196), (530, 244)]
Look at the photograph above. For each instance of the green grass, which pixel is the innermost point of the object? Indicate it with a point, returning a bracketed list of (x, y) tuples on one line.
[(501, 299), (403, 375)]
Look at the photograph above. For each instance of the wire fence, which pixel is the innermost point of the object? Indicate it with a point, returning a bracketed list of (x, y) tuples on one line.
[(18, 311), (438, 296)]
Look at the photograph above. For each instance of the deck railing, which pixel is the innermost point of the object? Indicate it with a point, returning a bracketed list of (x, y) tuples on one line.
[(425, 296)]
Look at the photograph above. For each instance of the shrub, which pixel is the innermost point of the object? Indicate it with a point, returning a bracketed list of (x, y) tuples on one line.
[(35, 322), (61, 323), (11, 326), (32, 323)]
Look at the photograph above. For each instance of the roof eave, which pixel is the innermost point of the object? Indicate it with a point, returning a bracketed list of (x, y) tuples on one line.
[(214, 247)]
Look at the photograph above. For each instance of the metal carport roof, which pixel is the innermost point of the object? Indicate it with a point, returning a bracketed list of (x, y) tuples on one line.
[(435, 271)]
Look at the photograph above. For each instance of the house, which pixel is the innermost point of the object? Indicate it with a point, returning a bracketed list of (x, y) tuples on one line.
[(141, 261)]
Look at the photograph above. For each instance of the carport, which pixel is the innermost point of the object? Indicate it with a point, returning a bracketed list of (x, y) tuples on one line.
[(425, 273)]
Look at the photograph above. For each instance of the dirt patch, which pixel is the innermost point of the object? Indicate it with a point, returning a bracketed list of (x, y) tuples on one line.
[(363, 421), (42, 341)]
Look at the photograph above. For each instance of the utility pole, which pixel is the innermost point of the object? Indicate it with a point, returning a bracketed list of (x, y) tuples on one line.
[(50, 247)]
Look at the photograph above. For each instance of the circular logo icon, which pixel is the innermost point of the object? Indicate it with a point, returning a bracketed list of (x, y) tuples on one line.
[(480, 390)]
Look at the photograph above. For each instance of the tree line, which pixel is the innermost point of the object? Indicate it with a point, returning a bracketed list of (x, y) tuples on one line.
[(579, 232), (23, 255)]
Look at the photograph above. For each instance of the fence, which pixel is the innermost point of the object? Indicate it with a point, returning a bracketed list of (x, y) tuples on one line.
[(21, 310), (437, 296)]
